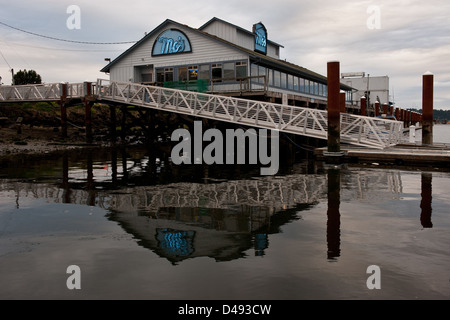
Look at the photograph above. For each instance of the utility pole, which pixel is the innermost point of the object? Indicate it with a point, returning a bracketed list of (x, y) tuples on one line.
[(12, 76)]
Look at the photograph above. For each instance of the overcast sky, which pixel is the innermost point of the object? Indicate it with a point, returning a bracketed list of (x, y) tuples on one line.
[(406, 39)]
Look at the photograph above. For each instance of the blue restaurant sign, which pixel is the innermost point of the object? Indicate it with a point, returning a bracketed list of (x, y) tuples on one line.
[(260, 33), (171, 41)]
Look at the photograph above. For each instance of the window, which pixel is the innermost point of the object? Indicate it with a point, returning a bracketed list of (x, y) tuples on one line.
[(193, 72), (277, 78), (306, 86), (283, 80), (216, 71), (168, 74), (241, 69), (290, 82), (182, 74), (302, 85), (228, 71), (261, 74), (203, 71), (270, 77)]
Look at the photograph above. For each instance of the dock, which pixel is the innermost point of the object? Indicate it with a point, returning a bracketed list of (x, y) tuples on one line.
[(436, 155)]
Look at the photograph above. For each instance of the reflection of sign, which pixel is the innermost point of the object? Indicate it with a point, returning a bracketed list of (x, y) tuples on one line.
[(171, 41), (176, 243), (260, 38)]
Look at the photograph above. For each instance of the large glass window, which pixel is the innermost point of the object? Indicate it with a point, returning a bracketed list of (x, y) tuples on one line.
[(193, 72), (203, 71), (290, 82), (277, 78), (241, 69), (261, 73), (283, 80), (306, 86), (168, 74), (182, 74), (302, 85), (228, 71), (216, 71)]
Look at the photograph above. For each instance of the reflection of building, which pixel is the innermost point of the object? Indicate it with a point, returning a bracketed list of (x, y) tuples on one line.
[(219, 57), (185, 233), (378, 87)]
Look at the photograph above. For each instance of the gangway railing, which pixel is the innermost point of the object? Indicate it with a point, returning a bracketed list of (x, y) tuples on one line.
[(356, 130), (364, 131), (40, 92)]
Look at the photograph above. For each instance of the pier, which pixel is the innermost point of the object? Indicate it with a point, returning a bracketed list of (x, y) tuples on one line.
[(350, 137)]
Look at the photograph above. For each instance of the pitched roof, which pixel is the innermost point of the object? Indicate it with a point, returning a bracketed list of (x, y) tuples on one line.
[(235, 26), (262, 59)]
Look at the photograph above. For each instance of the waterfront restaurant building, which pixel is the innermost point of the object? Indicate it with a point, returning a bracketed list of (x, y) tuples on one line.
[(220, 58)]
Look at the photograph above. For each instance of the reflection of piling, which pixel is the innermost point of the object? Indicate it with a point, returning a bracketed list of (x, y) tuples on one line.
[(427, 119), (334, 116), (333, 213), (425, 204), (65, 184)]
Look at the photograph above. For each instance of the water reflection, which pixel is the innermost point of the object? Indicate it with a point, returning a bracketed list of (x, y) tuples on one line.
[(425, 204), (201, 211), (333, 213)]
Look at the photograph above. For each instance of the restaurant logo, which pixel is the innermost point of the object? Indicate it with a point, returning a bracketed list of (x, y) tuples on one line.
[(260, 33), (171, 41)]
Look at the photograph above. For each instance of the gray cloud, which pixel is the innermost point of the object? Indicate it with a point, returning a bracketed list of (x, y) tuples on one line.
[(414, 36)]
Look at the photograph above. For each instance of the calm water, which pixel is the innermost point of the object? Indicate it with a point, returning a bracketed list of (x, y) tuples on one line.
[(139, 228)]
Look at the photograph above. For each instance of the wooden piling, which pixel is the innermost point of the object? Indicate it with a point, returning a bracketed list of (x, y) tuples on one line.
[(113, 115), (88, 111), (342, 101), (427, 107), (363, 106), (63, 109), (334, 115)]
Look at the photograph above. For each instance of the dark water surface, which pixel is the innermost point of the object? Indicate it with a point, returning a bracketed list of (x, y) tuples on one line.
[(139, 228)]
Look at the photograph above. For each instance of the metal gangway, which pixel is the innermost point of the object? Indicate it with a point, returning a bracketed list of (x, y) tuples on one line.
[(355, 130)]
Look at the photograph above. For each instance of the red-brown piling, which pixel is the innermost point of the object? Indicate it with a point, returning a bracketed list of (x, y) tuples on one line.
[(363, 106), (63, 108), (427, 107), (342, 101), (88, 112), (334, 114), (377, 109)]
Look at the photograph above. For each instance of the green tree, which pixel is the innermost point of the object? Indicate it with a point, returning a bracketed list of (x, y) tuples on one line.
[(27, 77)]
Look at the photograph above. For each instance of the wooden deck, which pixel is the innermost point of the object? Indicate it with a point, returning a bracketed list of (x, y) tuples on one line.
[(436, 155)]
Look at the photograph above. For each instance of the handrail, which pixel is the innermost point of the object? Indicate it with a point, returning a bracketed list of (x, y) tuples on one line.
[(356, 130)]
